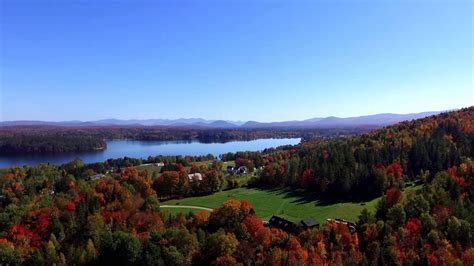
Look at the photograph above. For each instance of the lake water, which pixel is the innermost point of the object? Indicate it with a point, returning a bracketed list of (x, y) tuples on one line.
[(143, 149)]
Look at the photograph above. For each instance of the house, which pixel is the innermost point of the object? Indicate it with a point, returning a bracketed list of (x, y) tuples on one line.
[(195, 176), (96, 177), (160, 164), (230, 170), (241, 170), (309, 223), (283, 224), (236, 170), (350, 225)]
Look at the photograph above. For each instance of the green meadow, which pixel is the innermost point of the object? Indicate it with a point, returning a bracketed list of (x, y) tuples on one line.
[(291, 204)]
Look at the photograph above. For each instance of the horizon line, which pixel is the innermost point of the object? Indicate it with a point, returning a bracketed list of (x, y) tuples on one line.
[(228, 120)]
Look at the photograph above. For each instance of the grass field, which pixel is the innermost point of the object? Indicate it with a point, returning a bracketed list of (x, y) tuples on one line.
[(293, 205), (151, 169), (279, 202), (176, 211), (209, 162)]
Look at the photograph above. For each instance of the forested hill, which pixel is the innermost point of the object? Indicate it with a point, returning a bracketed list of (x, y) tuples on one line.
[(367, 165)]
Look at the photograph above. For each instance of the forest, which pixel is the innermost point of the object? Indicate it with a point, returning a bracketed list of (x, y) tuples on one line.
[(57, 215), (54, 139)]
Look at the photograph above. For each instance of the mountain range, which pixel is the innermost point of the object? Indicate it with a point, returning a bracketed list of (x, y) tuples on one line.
[(317, 122)]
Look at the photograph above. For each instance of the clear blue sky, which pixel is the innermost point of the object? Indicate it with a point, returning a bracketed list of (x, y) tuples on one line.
[(239, 60)]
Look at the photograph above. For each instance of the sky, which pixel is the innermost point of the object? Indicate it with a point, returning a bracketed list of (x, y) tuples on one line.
[(234, 60)]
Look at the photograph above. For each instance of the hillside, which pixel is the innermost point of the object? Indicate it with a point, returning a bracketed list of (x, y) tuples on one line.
[(364, 166)]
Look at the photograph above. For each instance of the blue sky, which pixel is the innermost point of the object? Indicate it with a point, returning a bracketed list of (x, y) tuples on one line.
[(238, 60)]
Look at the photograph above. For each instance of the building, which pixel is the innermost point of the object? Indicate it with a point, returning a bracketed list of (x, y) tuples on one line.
[(230, 170), (241, 170), (236, 170), (96, 177), (283, 224), (350, 225), (309, 223), (195, 176)]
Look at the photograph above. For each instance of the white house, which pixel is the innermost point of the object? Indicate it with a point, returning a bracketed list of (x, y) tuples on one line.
[(195, 176)]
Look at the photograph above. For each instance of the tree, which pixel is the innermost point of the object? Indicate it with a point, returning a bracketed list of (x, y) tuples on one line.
[(296, 254), (373, 252), (416, 205), (396, 215), (167, 183), (8, 255), (365, 217), (225, 261), (468, 257), (392, 197), (91, 251), (395, 169), (221, 244), (214, 180), (51, 253), (173, 257), (428, 223), (121, 248), (460, 230), (230, 215)]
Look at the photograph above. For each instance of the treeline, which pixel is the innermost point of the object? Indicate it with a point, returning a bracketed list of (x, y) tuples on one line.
[(47, 216), (48, 139), (26, 144)]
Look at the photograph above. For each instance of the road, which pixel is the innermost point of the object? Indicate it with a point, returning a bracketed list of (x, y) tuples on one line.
[(187, 207)]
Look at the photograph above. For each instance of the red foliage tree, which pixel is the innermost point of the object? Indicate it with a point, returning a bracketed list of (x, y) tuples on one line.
[(20, 235), (306, 178), (433, 260), (70, 206), (468, 257), (296, 254), (392, 196), (395, 169)]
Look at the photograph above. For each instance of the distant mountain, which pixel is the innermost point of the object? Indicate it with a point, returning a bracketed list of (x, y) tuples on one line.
[(332, 121), (372, 120), (317, 122), (44, 123), (151, 122)]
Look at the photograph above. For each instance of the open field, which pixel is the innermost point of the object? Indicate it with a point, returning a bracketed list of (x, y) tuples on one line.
[(279, 202), (175, 209), (293, 205), (150, 168), (209, 162)]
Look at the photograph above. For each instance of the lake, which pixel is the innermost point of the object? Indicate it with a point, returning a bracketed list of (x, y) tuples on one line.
[(143, 149)]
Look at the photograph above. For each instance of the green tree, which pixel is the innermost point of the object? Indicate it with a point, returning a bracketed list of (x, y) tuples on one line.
[(51, 253), (416, 205), (173, 257), (221, 244), (120, 248), (214, 180), (9, 256), (396, 215), (365, 217)]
